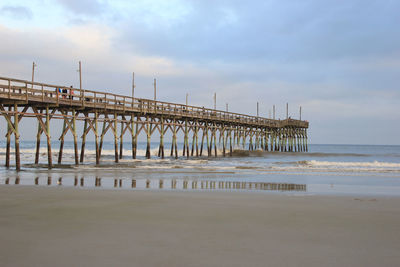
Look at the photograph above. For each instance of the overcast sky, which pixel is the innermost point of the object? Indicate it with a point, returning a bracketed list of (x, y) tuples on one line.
[(339, 60)]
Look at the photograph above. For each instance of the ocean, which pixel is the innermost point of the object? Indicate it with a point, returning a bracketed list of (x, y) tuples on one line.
[(325, 169)]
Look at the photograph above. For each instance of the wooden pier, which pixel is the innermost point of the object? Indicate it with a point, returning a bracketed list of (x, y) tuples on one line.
[(201, 127)]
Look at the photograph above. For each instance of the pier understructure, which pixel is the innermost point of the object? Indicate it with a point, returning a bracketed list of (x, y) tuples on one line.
[(204, 130)]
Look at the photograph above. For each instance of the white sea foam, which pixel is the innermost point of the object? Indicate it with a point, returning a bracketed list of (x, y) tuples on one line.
[(374, 164)]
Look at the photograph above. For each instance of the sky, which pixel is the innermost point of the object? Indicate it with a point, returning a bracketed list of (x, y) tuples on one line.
[(339, 60)]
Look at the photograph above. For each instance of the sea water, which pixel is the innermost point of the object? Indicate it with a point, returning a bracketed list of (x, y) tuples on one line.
[(325, 169)]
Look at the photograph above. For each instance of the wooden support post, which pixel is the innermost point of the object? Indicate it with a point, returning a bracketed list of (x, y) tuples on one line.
[(244, 136), (205, 131), (193, 138), (220, 136), (305, 139), (162, 131), (284, 139), (132, 132), (186, 141), (174, 143), (84, 137), (148, 134), (256, 140), (75, 137), (115, 137), (251, 140), (234, 135), (197, 139), (264, 139), (230, 142), (280, 138), (259, 139), (273, 140), (209, 143), (121, 140), (16, 139), (299, 141), (8, 145), (215, 140), (103, 132), (222, 132), (294, 146), (39, 133), (62, 140), (134, 151), (96, 136), (49, 155), (238, 136)]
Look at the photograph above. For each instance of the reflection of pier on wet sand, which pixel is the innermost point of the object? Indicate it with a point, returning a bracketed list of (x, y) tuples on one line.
[(179, 184)]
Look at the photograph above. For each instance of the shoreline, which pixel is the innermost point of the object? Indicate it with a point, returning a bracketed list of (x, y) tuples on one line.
[(62, 226)]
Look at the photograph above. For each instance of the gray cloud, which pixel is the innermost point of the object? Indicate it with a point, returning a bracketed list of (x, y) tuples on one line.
[(17, 12), (84, 7), (272, 31)]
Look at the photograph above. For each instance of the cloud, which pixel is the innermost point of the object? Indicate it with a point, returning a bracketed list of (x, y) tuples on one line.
[(270, 31), (16, 12), (84, 7)]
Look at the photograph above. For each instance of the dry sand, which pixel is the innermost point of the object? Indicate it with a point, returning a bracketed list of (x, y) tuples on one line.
[(69, 227)]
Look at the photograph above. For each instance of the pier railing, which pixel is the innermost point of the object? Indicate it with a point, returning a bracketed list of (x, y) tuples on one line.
[(42, 93)]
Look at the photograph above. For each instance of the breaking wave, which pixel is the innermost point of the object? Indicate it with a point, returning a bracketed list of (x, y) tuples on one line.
[(374, 164)]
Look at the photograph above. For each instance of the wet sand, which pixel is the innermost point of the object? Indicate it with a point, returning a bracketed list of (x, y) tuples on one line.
[(94, 227)]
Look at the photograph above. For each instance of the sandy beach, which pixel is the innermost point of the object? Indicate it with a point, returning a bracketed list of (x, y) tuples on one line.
[(68, 227)]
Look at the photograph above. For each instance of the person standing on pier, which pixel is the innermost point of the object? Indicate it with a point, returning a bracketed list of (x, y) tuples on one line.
[(71, 92), (64, 93)]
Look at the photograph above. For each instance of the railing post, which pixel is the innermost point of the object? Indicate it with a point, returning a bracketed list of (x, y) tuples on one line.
[(26, 91), (57, 94), (42, 94), (82, 97), (9, 88)]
